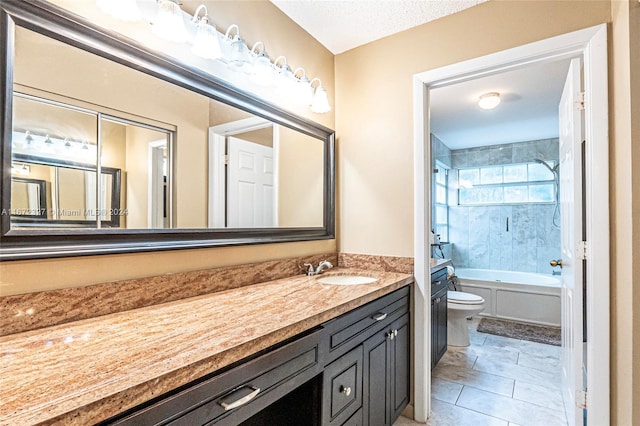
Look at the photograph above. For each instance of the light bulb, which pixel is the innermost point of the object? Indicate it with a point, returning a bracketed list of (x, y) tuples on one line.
[(206, 44), (489, 100), (320, 101), (169, 24)]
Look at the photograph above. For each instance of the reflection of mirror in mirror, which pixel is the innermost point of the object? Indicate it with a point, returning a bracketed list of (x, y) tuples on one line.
[(55, 143), (28, 196), (139, 118)]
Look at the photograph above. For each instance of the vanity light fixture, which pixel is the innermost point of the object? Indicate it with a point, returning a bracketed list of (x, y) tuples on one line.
[(286, 83), (238, 55), (22, 170), (304, 91), (61, 148), (320, 99), (124, 10), (263, 73), (173, 24), (169, 24), (489, 100), (206, 44)]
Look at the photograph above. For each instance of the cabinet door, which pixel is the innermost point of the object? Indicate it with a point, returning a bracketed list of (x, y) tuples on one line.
[(434, 332), (376, 378), (342, 388), (441, 321), (399, 366)]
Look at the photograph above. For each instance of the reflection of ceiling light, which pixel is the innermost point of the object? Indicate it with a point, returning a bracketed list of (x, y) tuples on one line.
[(22, 170), (489, 100)]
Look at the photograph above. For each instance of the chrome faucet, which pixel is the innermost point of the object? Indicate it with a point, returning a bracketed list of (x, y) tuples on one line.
[(321, 267)]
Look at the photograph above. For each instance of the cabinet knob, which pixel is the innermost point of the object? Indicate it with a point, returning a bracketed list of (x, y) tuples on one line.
[(391, 335), (395, 333), (345, 390)]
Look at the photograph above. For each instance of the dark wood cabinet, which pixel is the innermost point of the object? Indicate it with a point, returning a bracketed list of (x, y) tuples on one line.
[(342, 388), (351, 371), (386, 373), (380, 332), (234, 396), (438, 316)]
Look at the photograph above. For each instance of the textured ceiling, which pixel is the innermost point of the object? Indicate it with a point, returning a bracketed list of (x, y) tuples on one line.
[(341, 25)]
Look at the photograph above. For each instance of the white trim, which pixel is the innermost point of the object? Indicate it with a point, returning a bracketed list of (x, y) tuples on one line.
[(421, 272), (217, 180), (597, 205), (155, 156), (591, 43)]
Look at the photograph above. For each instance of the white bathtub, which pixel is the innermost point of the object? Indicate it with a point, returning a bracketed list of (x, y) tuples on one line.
[(519, 296)]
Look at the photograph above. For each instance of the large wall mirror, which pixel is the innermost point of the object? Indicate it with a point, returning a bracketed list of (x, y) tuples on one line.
[(108, 148)]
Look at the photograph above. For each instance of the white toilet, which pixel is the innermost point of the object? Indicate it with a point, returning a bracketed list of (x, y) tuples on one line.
[(460, 306)]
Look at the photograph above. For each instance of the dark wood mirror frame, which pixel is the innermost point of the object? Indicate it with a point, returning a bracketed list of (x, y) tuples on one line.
[(54, 22)]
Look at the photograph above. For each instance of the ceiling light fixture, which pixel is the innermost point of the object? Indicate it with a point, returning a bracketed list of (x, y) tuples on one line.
[(169, 24), (206, 44), (489, 100)]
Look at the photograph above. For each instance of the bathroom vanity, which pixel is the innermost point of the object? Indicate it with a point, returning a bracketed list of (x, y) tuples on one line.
[(358, 363), (287, 351)]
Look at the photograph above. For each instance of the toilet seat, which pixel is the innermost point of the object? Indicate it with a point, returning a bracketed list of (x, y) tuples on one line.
[(461, 298)]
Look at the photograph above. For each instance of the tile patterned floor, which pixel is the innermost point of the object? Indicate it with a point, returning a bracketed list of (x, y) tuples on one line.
[(496, 381)]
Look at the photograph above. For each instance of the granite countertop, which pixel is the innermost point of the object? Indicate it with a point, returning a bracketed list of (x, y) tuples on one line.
[(86, 371), (437, 264)]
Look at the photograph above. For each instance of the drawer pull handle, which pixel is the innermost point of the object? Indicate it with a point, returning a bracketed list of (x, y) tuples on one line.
[(380, 316), (345, 390), (239, 402)]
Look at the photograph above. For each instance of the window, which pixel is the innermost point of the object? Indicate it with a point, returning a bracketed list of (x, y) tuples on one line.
[(506, 184), (441, 198)]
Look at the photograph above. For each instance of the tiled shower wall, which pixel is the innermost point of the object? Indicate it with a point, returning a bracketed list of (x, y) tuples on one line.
[(479, 235)]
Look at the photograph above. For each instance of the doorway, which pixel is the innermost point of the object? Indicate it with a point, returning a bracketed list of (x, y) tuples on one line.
[(243, 154), (590, 46)]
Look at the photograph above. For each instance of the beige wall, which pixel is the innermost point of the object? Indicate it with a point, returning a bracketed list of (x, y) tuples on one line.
[(300, 179), (624, 66), (375, 141), (374, 103), (258, 21)]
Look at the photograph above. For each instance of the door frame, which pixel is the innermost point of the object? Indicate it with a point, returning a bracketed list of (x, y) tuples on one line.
[(155, 156), (591, 45), (217, 176)]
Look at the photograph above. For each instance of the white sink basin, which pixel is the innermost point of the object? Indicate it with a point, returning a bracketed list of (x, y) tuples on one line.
[(346, 279)]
